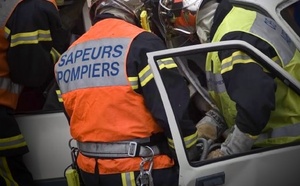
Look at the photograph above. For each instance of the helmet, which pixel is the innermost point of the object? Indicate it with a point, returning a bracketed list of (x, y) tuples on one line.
[(179, 15), (126, 9)]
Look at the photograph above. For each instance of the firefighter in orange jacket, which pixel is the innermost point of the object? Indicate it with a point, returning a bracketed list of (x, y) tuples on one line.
[(116, 113), (29, 35)]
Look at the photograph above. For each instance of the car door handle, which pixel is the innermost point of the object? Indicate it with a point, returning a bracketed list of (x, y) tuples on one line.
[(211, 180)]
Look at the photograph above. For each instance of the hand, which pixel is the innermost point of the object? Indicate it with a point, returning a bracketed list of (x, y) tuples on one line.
[(215, 154), (206, 130), (211, 126), (237, 142)]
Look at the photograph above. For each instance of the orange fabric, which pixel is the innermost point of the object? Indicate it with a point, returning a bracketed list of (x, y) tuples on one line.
[(7, 98), (186, 20), (3, 48), (98, 114), (114, 166)]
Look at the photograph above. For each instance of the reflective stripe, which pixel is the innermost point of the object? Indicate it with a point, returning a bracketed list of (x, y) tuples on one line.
[(12, 142), (128, 179), (59, 97), (146, 74), (215, 82), (30, 37), (6, 32), (6, 8), (166, 63), (292, 130), (6, 174), (134, 82), (7, 84), (269, 30), (55, 55), (236, 58), (189, 141), (96, 63)]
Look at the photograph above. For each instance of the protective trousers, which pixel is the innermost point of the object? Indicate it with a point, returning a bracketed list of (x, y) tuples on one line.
[(14, 172), (12, 147)]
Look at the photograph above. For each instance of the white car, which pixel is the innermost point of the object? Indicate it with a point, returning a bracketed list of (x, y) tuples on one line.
[(47, 132)]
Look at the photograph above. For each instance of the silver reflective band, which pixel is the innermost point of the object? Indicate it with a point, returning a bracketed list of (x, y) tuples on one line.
[(292, 130), (121, 149)]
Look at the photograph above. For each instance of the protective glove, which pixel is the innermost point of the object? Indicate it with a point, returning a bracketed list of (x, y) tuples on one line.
[(236, 142), (211, 126)]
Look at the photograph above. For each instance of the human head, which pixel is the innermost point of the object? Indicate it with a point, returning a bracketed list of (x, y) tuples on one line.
[(128, 10)]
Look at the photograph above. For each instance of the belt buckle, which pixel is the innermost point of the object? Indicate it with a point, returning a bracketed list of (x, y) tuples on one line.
[(132, 149)]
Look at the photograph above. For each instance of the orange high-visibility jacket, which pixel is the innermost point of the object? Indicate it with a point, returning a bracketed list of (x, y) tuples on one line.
[(99, 98)]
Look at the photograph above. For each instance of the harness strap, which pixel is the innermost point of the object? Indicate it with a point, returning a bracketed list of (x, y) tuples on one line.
[(120, 149)]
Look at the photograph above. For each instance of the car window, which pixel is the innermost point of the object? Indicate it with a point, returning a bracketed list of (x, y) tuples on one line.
[(291, 15)]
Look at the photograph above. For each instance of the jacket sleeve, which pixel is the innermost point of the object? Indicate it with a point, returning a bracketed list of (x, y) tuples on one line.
[(36, 40), (249, 85), (175, 85)]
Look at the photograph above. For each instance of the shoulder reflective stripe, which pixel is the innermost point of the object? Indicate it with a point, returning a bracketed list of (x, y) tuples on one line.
[(6, 173), (188, 141), (55, 55), (95, 63), (134, 82), (6, 8), (7, 84), (235, 58), (6, 32), (30, 37), (215, 82), (268, 29), (128, 179), (12, 142), (292, 130)]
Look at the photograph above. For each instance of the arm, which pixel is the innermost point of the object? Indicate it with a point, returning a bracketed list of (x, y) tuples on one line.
[(175, 85), (253, 91), (36, 41)]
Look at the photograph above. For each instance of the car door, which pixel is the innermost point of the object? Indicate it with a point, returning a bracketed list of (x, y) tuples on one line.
[(276, 166)]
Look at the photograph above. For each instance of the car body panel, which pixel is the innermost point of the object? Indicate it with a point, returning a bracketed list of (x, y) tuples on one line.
[(47, 136)]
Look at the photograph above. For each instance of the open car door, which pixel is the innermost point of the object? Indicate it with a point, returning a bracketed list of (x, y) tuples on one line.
[(276, 166)]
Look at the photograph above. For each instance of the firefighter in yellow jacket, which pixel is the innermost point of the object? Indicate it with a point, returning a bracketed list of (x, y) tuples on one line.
[(29, 45), (116, 113), (259, 107)]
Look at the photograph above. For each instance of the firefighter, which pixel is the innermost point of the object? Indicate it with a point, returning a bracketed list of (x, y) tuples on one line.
[(30, 44), (259, 108), (115, 110)]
